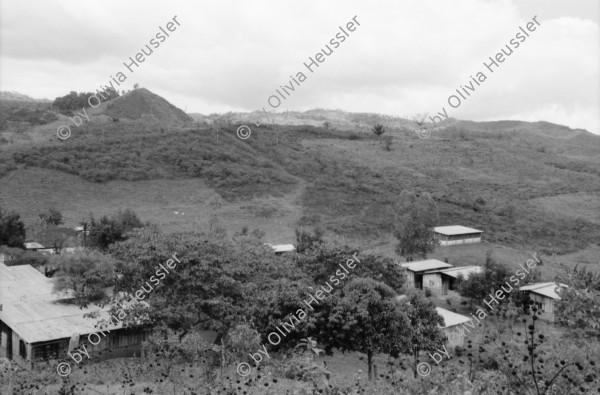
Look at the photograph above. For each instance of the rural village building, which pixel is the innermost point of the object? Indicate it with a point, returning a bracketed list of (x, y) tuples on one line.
[(439, 282), (36, 324), (453, 324), (416, 270), (33, 246), (279, 249), (457, 234), (544, 296), (453, 328)]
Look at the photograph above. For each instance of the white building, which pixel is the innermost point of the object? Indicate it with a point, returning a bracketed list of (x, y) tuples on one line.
[(544, 296), (279, 249), (453, 328), (441, 281), (416, 270), (457, 234)]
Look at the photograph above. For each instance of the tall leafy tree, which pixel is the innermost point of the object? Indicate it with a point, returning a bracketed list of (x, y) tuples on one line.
[(366, 319), (108, 230), (416, 217), (479, 285), (52, 217), (579, 308), (212, 289), (85, 274), (425, 334), (12, 230), (322, 262)]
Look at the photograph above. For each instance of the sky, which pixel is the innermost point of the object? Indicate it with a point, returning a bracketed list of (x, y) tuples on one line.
[(404, 57)]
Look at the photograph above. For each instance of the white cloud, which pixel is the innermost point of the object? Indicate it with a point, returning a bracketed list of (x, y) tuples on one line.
[(404, 58)]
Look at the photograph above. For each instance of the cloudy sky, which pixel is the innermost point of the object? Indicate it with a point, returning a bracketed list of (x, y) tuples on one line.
[(406, 57)]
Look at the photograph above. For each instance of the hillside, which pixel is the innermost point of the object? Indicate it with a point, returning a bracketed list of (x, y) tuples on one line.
[(16, 96), (141, 102), (527, 185)]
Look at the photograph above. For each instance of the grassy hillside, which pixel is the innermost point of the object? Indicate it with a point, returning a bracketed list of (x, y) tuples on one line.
[(533, 186)]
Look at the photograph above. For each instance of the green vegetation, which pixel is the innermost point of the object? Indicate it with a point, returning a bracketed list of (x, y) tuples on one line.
[(417, 216), (12, 230), (21, 115), (76, 101)]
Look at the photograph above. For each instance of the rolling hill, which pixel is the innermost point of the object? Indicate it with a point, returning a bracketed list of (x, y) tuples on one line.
[(530, 186)]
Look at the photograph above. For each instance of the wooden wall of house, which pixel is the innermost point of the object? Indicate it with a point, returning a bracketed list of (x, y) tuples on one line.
[(547, 305), (410, 279), (455, 335), (433, 282)]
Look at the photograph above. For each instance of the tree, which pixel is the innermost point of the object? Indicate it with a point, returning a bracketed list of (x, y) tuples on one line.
[(52, 217), (416, 218), (425, 334), (213, 291), (86, 274), (479, 285), (579, 307), (367, 320), (379, 130), (111, 229), (322, 262), (12, 230), (305, 240)]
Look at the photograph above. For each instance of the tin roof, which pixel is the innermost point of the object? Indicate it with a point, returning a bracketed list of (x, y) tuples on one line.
[(465, 271), (455, 230), (428, 264), (31, 245), (35, 313), (451, 318), (282, 247), (545, 289)]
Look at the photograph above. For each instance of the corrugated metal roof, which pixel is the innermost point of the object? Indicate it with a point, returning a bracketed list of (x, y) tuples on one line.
[(51, 320), (465, 271), (428, 264), (35, 313), (31, 245), (282, 247), (545, 289), (455, 230), (451, 318)]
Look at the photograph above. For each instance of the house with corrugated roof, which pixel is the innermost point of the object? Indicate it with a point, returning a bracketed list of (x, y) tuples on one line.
[(441, 281), (415, 271), (37, 324), (279, 249), (453, 327), (457, 234), (544, 296)]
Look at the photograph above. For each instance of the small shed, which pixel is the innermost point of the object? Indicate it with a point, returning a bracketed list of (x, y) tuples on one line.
[(440, 282), (279, 249), (33, 246), (416, 270), (457, 234), (544, 296), (453, 328)]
